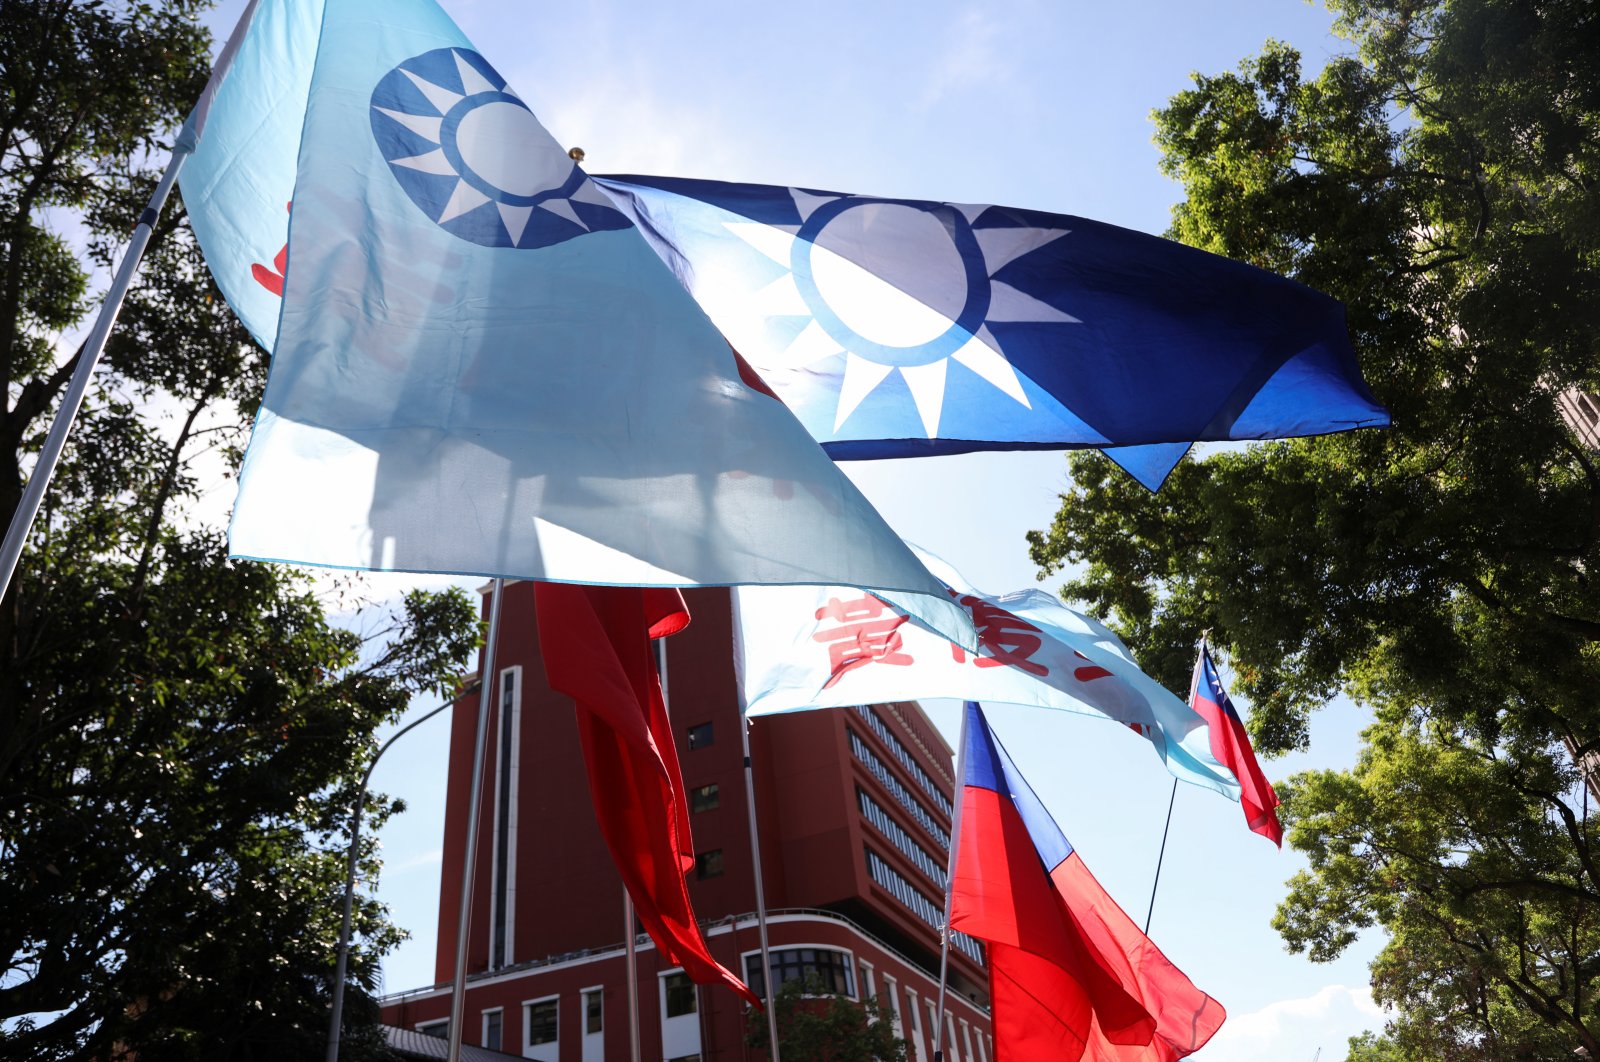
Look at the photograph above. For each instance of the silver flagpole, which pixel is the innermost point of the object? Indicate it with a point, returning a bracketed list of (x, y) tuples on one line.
[(44, 469), (633, 976), (1150, 912), (486, 687), (949, 881), (660, 649), (761, 893)]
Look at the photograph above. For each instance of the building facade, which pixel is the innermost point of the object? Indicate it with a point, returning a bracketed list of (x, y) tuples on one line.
[(854, 814)]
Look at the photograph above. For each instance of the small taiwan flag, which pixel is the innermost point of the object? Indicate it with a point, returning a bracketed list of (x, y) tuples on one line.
[(1230, 743)]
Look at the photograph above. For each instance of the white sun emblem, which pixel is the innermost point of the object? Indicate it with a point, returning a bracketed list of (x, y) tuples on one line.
[(907, 315), (473, 158)]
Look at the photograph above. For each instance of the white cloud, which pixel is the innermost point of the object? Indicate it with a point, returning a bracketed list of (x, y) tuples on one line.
[(1294, 1029), (971, 56)]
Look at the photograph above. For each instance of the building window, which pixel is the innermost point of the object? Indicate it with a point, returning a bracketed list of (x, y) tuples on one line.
[(903, 754), (680, 994), (832, 968), (439, 1030), (700, 735), (540, 1019), (593, 1011), (874, 813), (708, 864), (491, 1029), (505, 821), (924, 908), (881, 772), (705, 798)]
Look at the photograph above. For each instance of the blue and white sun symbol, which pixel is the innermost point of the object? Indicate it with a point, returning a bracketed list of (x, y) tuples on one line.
[(902, 314), (475, 160)]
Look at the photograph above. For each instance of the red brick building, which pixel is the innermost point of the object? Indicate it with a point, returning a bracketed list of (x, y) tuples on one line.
[(854, 813)]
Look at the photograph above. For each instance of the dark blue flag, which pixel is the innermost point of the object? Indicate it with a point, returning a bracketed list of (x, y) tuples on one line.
[(902, 328)]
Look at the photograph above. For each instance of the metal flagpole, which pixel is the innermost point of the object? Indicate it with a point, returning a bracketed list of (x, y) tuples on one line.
[(1151, 912), (761, 893), (89, 358), (486, 687), (335, 1020), (633, 976), (631, 935), (949, 880), (1165, 830)]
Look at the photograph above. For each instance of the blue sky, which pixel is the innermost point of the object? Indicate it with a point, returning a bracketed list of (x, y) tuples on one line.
[(1025, 103)]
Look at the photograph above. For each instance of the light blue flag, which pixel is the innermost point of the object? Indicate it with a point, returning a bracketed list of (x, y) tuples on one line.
[(239, 181), (479, 365)]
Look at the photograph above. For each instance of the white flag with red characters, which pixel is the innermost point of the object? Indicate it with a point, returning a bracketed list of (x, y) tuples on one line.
[(799, 647)]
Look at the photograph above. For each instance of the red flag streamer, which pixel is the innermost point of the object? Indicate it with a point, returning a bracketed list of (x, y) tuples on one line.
[(596, 645)]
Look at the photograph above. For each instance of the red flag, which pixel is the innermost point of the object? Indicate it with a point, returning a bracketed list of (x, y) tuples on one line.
[(1070, 976), (596, 645), (1230, 744)]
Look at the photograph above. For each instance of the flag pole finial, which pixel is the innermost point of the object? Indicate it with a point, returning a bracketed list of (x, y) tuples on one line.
[(575, 154)]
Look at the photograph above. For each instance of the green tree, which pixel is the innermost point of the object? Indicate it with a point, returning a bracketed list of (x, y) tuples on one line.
[(1442, 181), (180, 734), (814, 1025)]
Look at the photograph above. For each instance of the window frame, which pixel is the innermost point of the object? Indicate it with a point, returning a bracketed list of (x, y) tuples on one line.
[(528, 1043), (666, 978), (691, 736), (712, 792), (756, 977)]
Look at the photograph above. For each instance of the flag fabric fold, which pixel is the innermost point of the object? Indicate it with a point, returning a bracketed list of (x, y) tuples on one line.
[(1071, 976), (1230, 745), (479, 365), (596, 646), (820, 647), (903, 328)]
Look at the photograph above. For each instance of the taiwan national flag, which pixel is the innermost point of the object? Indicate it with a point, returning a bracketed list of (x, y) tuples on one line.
[(1230, 745), (1070, 976), (901, 328), (479, 365)]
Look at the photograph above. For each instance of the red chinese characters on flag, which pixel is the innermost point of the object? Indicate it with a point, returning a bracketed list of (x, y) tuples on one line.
[(272, 279), (1009, 640), (868, 632)]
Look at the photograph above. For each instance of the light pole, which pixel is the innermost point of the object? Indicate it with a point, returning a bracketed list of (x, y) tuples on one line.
[(336, 1019)]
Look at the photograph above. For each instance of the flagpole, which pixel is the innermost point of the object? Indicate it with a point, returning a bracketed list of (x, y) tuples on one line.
[(89, 357), (761, 893), (486, 686), (1172, 800), (659, 648), (949, 882), (633, 976), (1150, 913)]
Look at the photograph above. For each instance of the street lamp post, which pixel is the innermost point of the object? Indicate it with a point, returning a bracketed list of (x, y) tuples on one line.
[(336, 1019)]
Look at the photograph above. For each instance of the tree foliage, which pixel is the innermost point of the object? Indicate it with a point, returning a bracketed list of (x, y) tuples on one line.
[(1442, 182), (814, 1025), (180, 734)]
